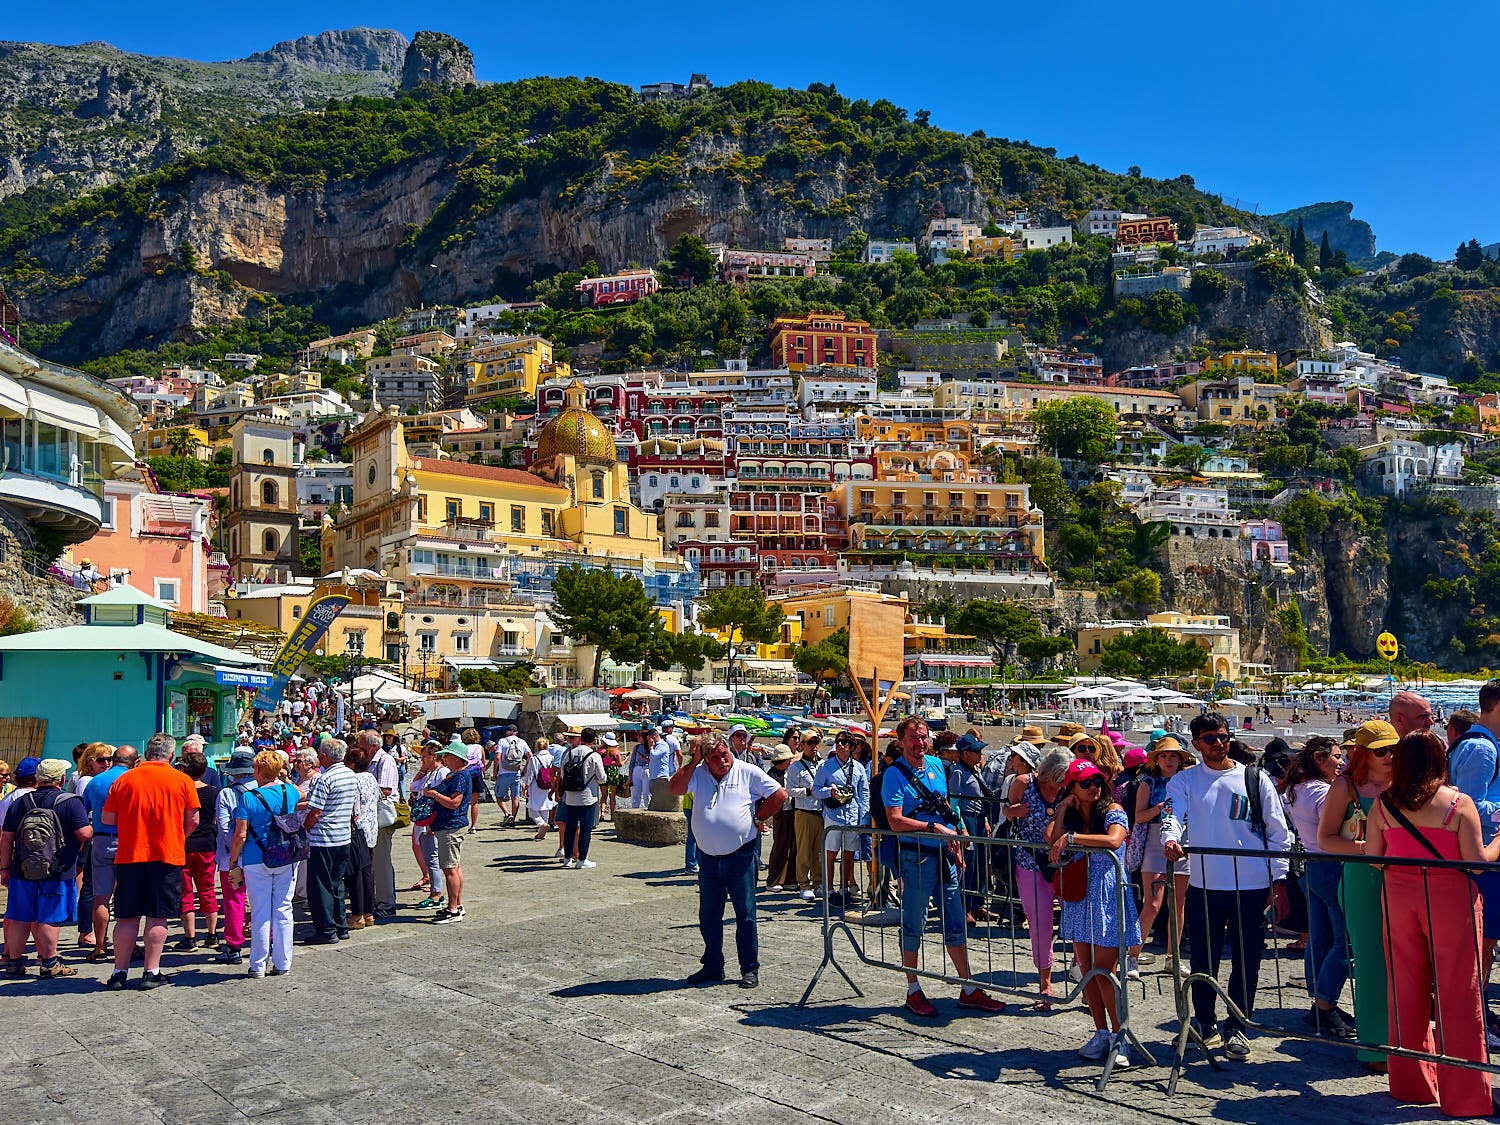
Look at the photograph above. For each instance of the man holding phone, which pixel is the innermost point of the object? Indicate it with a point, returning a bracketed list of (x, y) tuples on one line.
[(1223, 804)]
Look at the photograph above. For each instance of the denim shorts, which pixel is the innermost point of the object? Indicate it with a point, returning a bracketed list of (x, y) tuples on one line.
[(507, 786), (926, 875)]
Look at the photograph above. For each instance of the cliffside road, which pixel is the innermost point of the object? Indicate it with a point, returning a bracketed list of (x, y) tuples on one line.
[(560, 999)]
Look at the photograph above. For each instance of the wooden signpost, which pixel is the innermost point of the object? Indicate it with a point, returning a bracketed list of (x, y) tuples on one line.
[(876, 644)]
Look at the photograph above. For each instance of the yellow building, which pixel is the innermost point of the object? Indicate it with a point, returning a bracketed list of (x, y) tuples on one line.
[(1254, 362), (1237, 400), (512, 368), (1219, 639), (823, 611), (997, 247), (159, 440), (904, 432), (451, 531)]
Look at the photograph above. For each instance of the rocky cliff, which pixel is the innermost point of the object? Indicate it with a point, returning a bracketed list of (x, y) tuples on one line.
[(1244, 316), (1340, 589), (81, 116), (435, 59), (1355, 237)]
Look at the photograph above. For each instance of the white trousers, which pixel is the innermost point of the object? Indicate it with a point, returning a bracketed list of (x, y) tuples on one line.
[(270, 892), (640, 787)]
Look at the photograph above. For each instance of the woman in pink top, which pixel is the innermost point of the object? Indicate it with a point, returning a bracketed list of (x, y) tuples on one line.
[(1433, 929)]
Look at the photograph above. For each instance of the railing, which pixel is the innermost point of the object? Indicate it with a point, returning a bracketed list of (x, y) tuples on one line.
[(966, 886)]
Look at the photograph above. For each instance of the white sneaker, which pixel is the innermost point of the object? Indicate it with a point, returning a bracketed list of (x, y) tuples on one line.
[(588, 863), (808, 895), (1075, 974), (1132, 968), (557, 854), (567, 863), (1097, 1045), (1122, 1058)]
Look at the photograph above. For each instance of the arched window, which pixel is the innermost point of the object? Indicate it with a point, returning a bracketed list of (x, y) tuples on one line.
[(270, 542), (267, 457), (268, 493)]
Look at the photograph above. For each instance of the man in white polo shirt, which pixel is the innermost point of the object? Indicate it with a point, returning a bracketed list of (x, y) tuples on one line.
[(731, 801)]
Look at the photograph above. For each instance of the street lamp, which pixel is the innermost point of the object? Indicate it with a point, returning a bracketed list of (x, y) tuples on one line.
[(405, 647), (352, 664)]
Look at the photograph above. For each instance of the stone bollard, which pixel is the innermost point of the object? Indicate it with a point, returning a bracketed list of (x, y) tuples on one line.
[(662, 799), (654, 829)]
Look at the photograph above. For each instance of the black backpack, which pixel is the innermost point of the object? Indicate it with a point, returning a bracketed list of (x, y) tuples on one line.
[(575, 775), (40, 840)]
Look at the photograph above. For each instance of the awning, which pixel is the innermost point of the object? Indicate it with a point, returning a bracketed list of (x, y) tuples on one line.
[(76, 416), (665, 687), (115, 439), (472, 706), (459, 663), (939, 660), (13, 397)]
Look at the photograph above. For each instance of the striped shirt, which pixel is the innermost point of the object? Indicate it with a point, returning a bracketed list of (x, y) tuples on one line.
[(334, 793)]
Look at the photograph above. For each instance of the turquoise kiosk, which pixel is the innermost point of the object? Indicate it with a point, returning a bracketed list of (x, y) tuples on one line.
[(124, 675)]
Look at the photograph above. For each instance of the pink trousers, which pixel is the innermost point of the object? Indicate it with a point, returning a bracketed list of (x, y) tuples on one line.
[(1037, 898)]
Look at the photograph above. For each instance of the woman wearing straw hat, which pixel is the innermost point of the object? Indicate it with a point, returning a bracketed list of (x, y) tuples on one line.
[(1166, 759)]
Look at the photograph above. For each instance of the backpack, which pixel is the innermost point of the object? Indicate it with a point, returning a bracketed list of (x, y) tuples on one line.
[(285, 841), (544, 777), (39, 840), (575, 775), (514, 755)]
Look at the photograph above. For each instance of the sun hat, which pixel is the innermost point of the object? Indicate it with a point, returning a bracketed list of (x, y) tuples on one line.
[(455, 750), (1028, 752), (1166, 744), (1081, 769), (782, 753), (241, 762), (609, 739), (1065, 734), (1030, 733), (52, 769), (738, 728)]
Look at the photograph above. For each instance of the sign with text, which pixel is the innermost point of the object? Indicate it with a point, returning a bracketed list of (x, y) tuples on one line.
[(232, 678), (299, 646)]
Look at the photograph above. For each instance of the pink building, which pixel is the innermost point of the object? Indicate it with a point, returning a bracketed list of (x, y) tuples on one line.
[(156, 542), (1265, 541)]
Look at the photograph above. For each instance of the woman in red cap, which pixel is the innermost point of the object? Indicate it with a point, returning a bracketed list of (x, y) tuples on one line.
[(1089, 817)]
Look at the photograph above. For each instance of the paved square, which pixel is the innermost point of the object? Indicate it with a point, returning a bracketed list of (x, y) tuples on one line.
[(560, 999)]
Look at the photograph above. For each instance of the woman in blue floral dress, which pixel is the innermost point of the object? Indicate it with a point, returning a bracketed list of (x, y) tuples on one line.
[(1088, 817)]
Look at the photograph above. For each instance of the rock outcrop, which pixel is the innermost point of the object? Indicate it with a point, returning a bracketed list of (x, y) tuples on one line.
[(435, 59), (1354, 237), (79, 117)]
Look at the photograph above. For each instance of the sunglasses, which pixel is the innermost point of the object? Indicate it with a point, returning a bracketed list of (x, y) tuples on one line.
[(1213, 738), (1381, 751), (1090, 783)]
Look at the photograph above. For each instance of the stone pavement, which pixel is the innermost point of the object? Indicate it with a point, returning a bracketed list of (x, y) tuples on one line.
[(560, 999)]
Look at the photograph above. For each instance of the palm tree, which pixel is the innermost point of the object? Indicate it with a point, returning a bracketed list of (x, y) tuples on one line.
[(181, 442)]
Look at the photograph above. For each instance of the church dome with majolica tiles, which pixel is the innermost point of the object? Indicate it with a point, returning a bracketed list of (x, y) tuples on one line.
[(576, 433)]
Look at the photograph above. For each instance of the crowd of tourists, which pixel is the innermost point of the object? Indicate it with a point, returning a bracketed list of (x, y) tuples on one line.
[(1217, 845)]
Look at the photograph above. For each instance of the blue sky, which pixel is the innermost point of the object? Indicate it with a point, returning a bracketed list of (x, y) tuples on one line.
[(1273, 104)]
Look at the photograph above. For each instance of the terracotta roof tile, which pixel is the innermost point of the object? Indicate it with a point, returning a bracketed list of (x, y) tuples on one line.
[(482, 472)]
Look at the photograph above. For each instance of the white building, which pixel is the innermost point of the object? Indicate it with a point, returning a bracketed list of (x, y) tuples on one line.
[(1193, 511), (835, 388), (1220, 240), (1105, 221), (1040, 238), (1396, 466), (881, 250)]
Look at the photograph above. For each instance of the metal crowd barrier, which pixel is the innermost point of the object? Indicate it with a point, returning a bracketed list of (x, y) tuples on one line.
[(867, 932), (1426, 984)]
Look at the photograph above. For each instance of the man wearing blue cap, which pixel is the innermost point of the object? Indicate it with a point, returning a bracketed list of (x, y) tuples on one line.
[(25, 783)]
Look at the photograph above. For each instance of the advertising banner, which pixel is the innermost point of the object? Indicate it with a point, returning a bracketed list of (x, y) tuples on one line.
[(300, 644)]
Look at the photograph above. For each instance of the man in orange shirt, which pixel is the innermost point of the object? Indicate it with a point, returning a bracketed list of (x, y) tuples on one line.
[(154, 807)]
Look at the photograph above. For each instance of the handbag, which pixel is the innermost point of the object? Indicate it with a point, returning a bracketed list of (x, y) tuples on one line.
[(403, 813), (1354, 819), (424, 810), (1135, 847), (1073, 881), (385, 813)]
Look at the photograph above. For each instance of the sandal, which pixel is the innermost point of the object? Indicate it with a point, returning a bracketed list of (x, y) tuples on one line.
[(419, 886), (99, 956), (56, 969), (1043, 1003)]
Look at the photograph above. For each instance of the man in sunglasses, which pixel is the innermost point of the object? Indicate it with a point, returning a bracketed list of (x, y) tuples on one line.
[(1211, 806), (1474, 769)]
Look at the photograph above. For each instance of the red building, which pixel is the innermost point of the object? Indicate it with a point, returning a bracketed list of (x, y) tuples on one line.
[(1144, 232), (653, 412), (828, 339), (787, 529), (721, 564), (618, 288)]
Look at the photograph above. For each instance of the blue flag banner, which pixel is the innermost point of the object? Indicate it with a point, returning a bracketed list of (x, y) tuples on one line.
[(299, 646)]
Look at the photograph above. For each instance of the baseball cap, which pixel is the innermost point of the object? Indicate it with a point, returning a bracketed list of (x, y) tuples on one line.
[(52, 769), (1376, 734), (1081, 770), (27, 767), (1135, 756), (970, 742)]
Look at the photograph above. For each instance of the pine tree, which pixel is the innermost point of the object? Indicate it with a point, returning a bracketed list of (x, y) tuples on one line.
[(1325, 253), (1470, 255), (1299, 244)]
